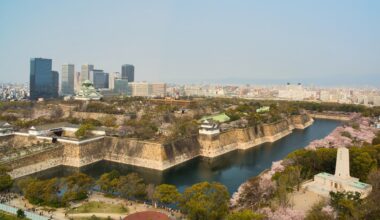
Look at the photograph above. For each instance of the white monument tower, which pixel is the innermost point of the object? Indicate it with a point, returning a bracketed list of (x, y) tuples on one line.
[(341, 181), (342, 167)]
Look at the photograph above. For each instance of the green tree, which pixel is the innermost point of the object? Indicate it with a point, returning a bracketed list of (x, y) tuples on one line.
[(108, 121), (5, 179), (167, 194), (282, 190), (205, 201), (245, 215), (376, 140), (131, 186), (42, 192), (347, 204), (108, 182), (83, 130), (78, 186), (316, 213), (362, 164), (20, 214), (370, 206)]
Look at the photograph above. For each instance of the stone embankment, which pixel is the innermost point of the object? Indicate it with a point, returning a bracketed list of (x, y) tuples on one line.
[(155, 155), (330, 116), (244, 138)]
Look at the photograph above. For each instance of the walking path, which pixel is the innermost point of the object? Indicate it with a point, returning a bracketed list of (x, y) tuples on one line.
[(13, 210), (61, 213), (303, 200)]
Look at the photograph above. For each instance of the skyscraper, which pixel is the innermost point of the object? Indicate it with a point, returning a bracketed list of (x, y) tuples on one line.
[(111, 79), (121, 86), (43, 81), (67, 79), (99, 78), (85, 72), (128, 72), (77, 82), (55, 76)]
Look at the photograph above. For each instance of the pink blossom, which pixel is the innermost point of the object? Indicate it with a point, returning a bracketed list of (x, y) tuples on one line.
[(283, 213), (329, 210), (335, 139)]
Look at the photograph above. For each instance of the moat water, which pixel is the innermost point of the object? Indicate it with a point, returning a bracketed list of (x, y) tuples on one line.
[(231, 169)]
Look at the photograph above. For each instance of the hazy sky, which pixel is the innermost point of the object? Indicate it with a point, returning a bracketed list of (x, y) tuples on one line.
[(323, 42)]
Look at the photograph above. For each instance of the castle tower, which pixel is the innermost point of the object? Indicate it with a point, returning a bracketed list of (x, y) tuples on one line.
[(342, 168)]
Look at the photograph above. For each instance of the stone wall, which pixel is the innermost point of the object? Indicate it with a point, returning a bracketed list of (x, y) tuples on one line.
[(244, 138), (152, 154), (36, 162), (339, 117), (17, 141)]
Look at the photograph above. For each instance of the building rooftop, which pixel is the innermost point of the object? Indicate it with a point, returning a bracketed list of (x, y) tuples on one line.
[(222, 117), (147, 215), (4, 124), (53, 126), (352, 181)]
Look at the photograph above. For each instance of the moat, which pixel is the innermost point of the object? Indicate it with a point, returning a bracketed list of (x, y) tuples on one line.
[(231, 169)]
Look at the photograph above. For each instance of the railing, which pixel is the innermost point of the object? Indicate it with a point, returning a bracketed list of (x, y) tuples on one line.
[(29, 215)]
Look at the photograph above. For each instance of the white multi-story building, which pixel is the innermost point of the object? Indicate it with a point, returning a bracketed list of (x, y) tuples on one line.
[(67, 79), (158, 89), (292, 92), (140, 89), (77, 82), (85, 72), (147, 89), (111, 81)]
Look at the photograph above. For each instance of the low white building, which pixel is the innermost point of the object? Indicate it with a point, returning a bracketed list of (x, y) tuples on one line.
[(58, 128), (341, 181), (5, 128), (208, 127)]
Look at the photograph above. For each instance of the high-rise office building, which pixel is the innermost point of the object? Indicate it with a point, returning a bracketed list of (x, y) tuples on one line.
[(43, 81), (121, 87), (77, 82), (67, 79), (55, 76), (99, 79), (128, 72), (85, 72), (111, 79)]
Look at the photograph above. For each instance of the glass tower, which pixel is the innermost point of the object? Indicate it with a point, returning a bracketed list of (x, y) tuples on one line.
[(128, 72), (99, 79), (43, 81)]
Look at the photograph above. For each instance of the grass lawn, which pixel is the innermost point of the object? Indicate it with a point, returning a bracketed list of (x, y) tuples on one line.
[(7, 216), (99, 207)]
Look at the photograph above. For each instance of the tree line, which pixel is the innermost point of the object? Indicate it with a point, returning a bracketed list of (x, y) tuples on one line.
[(200, 201)]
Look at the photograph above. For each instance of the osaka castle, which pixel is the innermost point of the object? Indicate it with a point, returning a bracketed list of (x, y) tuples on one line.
[(88, 92), (341, 181)]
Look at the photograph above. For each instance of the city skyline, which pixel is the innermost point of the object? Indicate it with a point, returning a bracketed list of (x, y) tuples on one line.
[(322, 43)]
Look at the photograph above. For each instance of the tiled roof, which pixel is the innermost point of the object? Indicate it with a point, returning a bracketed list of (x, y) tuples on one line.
[(51, 126)]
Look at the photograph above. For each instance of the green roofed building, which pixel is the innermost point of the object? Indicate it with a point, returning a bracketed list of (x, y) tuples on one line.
[(88, 92), (222, 117), (263, 109)]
